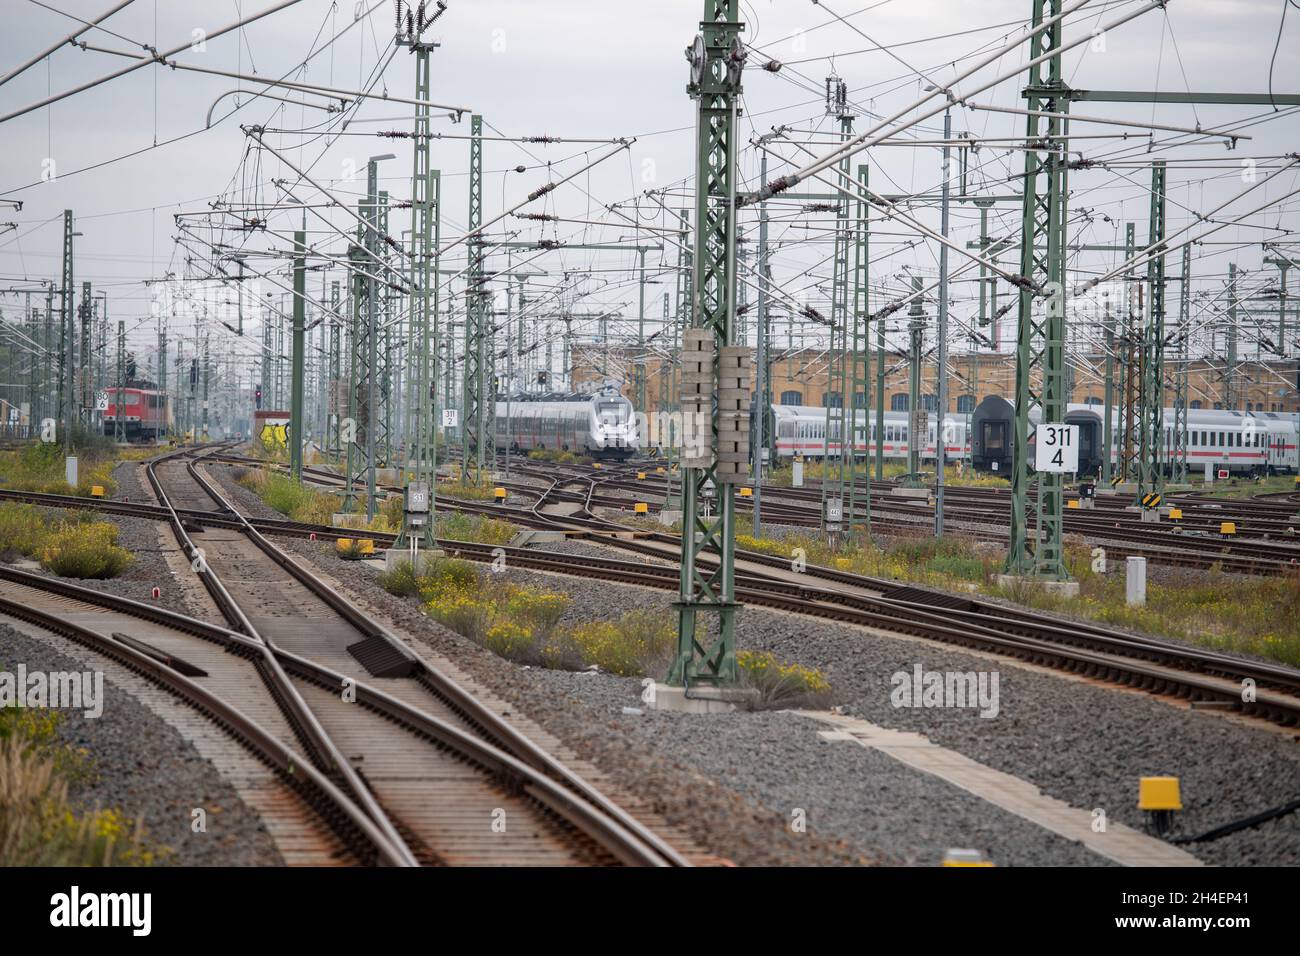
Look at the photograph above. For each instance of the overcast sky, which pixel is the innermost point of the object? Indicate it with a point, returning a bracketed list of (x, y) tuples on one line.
[(131, 153)]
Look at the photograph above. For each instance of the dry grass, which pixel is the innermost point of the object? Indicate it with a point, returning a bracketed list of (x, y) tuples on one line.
[(41, 468), (1250, 615), (523, 624), (781, 684), (39, 823), (85, 549)]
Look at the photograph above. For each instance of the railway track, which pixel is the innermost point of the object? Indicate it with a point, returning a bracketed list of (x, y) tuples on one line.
[(402, 764), (1164, 667), (1194, 542), (1156, 665)]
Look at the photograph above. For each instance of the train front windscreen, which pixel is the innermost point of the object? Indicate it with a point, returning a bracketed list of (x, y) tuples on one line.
[(612, 413)]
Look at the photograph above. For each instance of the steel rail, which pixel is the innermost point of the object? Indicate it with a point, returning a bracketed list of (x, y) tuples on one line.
[(653, 849), (305, 722), (297, 772)]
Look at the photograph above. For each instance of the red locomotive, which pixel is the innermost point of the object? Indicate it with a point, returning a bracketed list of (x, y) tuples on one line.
[(147, 413)]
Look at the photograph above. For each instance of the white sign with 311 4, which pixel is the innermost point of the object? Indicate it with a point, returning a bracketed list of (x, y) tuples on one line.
[(1056, 448)]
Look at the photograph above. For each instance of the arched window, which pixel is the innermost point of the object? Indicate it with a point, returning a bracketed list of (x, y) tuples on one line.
[(1196, 403), (859, 399), (1218, 406), (965, 403), (832, 400), (1092, 400), (898, 403), (930, 403), (792, 398)]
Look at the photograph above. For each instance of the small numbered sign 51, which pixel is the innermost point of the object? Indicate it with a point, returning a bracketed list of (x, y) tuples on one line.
[(1056, 448)]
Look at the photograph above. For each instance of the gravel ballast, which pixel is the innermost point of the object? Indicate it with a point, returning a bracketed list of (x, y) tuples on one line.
[(142, 766), (1082, 743)]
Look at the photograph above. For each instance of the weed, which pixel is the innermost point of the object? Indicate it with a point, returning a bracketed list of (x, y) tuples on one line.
[(641, 641), (23, 530), (85, 549), (39, 826), (781, 684)]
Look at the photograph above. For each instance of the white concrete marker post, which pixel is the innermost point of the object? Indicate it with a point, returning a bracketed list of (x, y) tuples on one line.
[(1135, 581), (70, 470)]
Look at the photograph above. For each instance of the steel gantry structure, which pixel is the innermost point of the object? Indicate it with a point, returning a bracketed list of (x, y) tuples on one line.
[(1151, 476), (859, 360), (426, 214), (67, 343), (714, 377), (1035, 547), (834, 477), (475, 435), (1178, 443)]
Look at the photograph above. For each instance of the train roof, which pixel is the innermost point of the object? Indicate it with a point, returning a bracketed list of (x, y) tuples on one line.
[(525, 397), (819, 411)]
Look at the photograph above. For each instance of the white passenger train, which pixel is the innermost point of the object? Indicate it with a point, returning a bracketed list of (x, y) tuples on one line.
[(801, 430), (1231, 441), (604, 425), (601, 424)]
